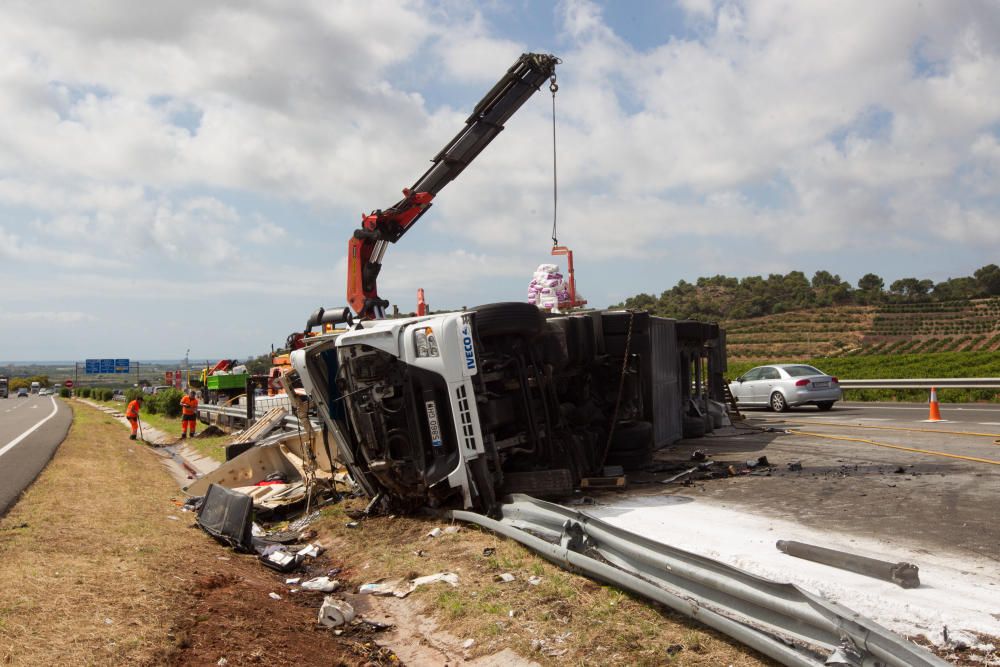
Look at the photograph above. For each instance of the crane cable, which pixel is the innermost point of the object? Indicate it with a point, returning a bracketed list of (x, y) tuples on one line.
[(554, 87)]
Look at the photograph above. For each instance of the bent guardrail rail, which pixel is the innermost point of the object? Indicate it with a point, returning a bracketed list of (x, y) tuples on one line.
[(783, 621)]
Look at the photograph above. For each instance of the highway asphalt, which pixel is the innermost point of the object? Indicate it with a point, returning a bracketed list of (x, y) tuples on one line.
[(970, 414), (31, 429)]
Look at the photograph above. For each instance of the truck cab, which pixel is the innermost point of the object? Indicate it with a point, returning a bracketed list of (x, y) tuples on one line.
[(461, 408)]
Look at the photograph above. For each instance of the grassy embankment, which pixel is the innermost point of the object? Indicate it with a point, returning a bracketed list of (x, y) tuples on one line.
[(213, 447), (88, 555), (902, 366)]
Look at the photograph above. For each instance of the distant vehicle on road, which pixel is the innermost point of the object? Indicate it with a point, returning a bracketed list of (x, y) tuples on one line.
[(36, 387), (43, 392), (784, 386), (3, 386), (22, 392)]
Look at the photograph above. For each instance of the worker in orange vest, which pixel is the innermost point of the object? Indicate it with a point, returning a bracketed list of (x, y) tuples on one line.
[(189, 414), (132, 415)]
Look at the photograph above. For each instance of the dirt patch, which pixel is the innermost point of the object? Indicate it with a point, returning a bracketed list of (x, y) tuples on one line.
[(234, 617)]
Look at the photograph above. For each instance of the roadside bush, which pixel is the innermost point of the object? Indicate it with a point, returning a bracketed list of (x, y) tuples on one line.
[(166, 402), (83, 392), (65, 392)]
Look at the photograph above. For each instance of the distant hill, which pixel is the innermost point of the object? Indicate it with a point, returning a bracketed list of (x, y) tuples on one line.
[(790, 316), (946, 326)]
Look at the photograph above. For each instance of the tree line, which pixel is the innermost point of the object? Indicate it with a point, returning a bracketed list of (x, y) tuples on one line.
[(723, 297)]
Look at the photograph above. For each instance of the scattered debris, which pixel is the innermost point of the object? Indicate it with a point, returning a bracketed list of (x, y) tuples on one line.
[(505, 578), (400, 588), (583, 500), (534, 580), (334, 613), (293, 580), (451, 530), (468, 643), (795, 465), (312, 550), (352, 524), (698, 455), (489, 551), (674, 649), (905, 575), (274, 596), (680, 475), (322, 584), (434, 533)]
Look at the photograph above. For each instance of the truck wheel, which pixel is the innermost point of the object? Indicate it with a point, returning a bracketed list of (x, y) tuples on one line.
[(632, 437), (629, 460), (692, 427), (508, 318)]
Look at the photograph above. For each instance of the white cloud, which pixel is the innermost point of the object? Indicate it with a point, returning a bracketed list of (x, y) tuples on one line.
[(146, 147)]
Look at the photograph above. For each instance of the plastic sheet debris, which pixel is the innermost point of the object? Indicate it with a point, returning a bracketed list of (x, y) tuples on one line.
[(400, 588), (468, 643), (505, 578), (436, 532), (274, 596), (322, 584), (333, 613), (534, 580), (293, 581), (451, 530)]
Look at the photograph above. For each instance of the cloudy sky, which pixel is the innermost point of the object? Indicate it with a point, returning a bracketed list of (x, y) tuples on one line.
[(186, 175)]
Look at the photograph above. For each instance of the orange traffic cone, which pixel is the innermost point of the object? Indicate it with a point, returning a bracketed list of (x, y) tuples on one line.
[(935, 415)]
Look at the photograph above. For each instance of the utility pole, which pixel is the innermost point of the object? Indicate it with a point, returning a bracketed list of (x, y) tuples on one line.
[(187, 368)]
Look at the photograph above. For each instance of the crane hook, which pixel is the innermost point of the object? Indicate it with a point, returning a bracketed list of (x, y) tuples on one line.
[(553, 86)]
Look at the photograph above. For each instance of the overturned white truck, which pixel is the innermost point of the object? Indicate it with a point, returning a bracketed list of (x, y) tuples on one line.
[(462, 408)]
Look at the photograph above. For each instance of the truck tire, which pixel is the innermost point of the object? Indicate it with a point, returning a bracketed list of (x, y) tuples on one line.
[(632, 437), (692, 427), (508, 318)]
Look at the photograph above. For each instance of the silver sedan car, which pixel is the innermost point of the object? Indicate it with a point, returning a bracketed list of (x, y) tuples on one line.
[(782, 386)]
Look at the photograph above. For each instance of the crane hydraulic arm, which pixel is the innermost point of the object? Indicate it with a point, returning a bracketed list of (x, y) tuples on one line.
[(381, 227)]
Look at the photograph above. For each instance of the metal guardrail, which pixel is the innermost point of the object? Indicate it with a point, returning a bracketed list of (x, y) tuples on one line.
[(923, 383), (238, 415), (782, 621)]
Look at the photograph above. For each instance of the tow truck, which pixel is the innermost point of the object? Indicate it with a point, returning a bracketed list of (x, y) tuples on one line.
[(461, 408)]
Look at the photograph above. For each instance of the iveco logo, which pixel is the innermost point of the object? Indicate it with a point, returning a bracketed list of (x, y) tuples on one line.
[(470, 354)]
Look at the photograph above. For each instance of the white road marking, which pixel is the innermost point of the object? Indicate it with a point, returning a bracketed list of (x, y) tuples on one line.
[(988, 423), (10, 445)]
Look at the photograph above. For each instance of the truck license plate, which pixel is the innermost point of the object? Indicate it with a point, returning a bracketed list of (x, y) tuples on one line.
[(432, 423)]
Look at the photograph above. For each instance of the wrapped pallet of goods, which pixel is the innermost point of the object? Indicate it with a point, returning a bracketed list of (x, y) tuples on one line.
[(548, 289)]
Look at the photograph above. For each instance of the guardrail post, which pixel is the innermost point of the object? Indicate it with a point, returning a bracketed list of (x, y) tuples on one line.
[(250, 401)]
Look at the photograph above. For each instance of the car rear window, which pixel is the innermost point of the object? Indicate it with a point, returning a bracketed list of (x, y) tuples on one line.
[(802, 371)]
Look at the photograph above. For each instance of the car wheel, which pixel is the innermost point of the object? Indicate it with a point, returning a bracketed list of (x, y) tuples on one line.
[(825, 405), (778, 403)]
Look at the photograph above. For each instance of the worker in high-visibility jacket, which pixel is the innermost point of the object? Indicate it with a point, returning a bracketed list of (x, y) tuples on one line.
[(132, 415), (189, 414)]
